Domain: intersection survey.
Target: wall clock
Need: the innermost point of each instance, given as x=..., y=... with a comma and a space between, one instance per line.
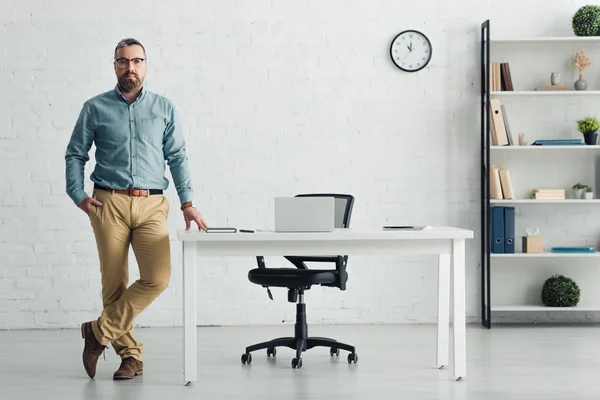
x=411, y=50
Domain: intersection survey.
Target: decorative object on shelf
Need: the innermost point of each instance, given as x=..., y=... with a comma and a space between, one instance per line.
x=555, y=78
x=589, y=193
x=578, y=190
x=548, y=194
x=582, y=249
x=560, y=291
x=522, y=140
x=556, y=88
x=532, y=242
x=411, y=50
x=581, y=62
x=586, y=21
x=589, y=127
x=558, y=142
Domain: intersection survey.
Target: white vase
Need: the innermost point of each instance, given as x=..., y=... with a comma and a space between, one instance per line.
x=589, y=195
x=578, y=193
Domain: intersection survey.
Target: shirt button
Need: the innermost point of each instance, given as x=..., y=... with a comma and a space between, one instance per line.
x=133, y=156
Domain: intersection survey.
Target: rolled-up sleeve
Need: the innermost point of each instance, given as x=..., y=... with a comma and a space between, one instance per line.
x=77, y=155
x=175, y=154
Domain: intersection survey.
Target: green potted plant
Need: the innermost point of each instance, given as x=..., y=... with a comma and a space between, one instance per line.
x=589, y=193
x=560, y=291
x=589, y=128
x=578, y=190
x=586, y=21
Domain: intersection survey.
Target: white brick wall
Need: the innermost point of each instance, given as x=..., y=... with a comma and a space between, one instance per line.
x=276, y=98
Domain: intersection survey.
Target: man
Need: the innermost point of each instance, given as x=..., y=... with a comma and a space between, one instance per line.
x=134, y=131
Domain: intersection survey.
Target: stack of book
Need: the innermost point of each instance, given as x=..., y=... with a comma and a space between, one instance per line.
x=548, y=194
x=500, y=78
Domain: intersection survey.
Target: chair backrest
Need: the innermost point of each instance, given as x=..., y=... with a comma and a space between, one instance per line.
x=343, y=206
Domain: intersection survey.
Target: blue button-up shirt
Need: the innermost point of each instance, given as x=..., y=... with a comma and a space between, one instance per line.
x=133, y=141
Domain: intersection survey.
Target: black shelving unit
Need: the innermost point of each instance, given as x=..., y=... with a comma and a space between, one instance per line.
x=486, y=312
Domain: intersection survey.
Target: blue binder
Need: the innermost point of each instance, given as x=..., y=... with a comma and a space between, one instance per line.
x=509, y=229
x=497, y=235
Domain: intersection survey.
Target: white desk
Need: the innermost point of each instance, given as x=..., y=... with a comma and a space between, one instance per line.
x=446, y=242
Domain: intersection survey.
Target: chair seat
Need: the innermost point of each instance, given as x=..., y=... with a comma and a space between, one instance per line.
x=291, y=277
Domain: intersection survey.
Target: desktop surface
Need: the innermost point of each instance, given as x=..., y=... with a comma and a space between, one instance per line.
x=441, y=232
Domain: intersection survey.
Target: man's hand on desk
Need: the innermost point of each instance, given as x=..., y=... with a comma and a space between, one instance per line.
x=191, y=214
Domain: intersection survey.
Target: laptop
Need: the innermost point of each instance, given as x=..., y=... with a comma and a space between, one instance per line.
x=304, y=214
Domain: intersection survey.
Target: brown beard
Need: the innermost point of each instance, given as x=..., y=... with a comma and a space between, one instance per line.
x=129, y=82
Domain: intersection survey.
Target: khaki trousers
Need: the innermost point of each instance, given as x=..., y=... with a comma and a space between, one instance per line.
x=122, y=221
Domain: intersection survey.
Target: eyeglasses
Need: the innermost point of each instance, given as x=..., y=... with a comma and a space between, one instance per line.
x=124, y=62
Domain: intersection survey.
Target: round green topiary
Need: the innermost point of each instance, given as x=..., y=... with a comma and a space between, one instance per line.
x=586, y=21
x=560, y=291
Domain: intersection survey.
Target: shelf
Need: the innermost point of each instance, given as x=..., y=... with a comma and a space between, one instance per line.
x=544, y=308
x=532, y=201
x=544, y=255
x=514, y=93
x=545, y=148
x=542, y=39
x=502, y=47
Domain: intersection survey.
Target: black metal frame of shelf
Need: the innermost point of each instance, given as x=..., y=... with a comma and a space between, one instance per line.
x=486, y=312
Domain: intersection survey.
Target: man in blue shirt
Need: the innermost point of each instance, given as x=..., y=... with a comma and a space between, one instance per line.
x=135, y=131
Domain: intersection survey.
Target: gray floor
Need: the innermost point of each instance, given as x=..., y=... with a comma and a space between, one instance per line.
x=395, y=362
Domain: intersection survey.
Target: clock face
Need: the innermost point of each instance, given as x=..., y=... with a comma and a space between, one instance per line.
x=411, y=50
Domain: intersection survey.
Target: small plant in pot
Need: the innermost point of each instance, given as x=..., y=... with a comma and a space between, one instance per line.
x=578, y=190
x=589, y=127
x=560, y=291
x=589, y=193
x=586, y=21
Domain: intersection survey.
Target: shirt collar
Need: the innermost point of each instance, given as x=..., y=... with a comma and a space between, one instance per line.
x=120, y=95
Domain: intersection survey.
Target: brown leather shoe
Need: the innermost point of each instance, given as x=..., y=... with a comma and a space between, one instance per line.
x=130, y=368
x=92, y=349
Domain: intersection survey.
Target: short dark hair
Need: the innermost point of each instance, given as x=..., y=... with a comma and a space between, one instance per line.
x=129, y=42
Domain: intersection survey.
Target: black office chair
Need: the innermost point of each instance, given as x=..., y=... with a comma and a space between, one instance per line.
x=299, y=279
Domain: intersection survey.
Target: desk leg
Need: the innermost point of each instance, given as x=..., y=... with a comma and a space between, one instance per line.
x=443, y=310
x=459, y=325
x=189, y=312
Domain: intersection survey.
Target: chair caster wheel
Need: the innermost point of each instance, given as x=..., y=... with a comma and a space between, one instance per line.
x=246, y=358
x=271, y=351
x=352, y=357
x=297, y=363
x=334, y=351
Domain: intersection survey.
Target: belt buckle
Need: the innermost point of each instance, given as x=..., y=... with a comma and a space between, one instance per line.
x=139, y=194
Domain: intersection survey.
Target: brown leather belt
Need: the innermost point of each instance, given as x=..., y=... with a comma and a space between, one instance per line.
x=130, y=192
